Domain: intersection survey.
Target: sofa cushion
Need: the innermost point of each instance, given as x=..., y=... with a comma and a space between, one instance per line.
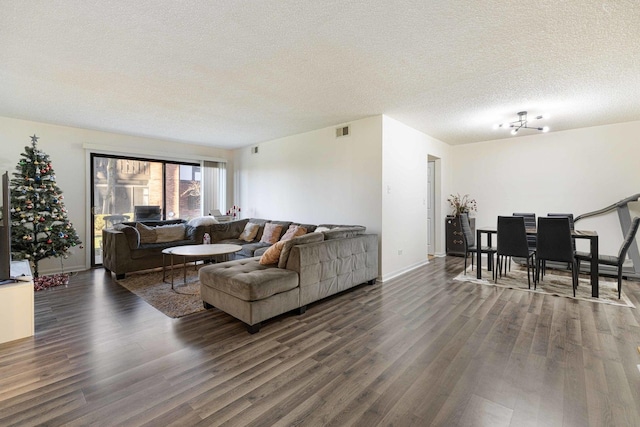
x=248, y=249
x=344, y=232
x=232, y=242
x=301, y=240
x=271, y=233
x=249, y=233
x=227, y=230
x=202, y=221
x=131, y=234
x=147, y=234
x=195, y=234
x=260, y=251
x=293, y=231
x=247, y=280
x=155, y=249
x=170, y=233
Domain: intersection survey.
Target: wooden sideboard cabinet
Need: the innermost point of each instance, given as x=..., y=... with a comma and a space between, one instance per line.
x=454, y=238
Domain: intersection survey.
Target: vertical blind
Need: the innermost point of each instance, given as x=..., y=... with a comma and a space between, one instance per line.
x=214, y=184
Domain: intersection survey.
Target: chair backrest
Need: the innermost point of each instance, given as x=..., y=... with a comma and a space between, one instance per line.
x=467, y=233
x=631, y=234
x=566, y=215
x=529, y=222
x=147, y=213
x=529, y=219
x=512, y=236
x=571, y=226
x=554, y=239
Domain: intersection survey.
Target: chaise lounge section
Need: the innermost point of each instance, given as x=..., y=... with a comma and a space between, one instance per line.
x=309, y=268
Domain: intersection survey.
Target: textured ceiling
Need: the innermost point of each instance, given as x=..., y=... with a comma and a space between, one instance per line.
x=231, y=73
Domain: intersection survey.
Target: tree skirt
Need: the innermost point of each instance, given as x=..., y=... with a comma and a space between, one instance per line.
x=46, y=282
x=182, y=301
x=556, y=283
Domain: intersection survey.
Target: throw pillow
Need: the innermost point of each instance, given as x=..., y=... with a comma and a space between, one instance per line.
x=293, y=231
x=170, y=233
x=271, y=233
x=147, y=234
x=272, y=255
x=202, y=220
x=301, y=240
x=249, y=233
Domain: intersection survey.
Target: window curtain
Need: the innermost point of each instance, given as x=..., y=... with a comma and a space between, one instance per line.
x=214, y=184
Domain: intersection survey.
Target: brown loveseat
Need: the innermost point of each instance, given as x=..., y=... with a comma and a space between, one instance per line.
x=125, y=251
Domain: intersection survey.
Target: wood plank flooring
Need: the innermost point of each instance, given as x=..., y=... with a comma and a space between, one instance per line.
x=418, y=350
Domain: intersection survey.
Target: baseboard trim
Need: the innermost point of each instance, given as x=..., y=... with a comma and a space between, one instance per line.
x=395, y=274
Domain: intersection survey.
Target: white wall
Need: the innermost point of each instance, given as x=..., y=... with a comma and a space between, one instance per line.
x=64, y=145
x=315, y=177
x=406, y=152
x=575, y=171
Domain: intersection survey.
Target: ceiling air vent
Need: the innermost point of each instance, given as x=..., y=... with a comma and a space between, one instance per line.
x=342, y=131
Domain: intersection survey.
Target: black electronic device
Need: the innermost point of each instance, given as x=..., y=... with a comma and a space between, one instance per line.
x=5, y=233
x=147, y=213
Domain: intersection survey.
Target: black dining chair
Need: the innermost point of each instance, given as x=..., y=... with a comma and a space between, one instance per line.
x=512, y=242
x=470, y=244
x=616, y=261
x=529, y=222
x=554, y=244
x=571, y=226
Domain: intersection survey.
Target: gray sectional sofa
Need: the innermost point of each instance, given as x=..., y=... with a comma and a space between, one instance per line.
x=309, y=268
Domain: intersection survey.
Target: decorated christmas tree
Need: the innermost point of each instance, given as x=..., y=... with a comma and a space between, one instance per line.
x=39, y=225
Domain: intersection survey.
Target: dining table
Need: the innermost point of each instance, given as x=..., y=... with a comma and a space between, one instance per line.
x=592, y=236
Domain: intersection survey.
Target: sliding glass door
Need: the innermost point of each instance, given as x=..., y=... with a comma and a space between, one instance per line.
x=129, y=189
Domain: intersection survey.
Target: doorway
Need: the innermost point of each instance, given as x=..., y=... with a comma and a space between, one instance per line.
x=431, y=202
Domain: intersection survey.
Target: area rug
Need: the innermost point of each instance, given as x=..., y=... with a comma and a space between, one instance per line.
x=556, y=283
x=182, y=301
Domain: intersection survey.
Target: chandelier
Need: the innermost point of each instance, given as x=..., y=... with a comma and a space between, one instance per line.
x=522, y=123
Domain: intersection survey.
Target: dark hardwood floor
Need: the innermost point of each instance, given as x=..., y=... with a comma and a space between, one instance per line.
x=418, y=350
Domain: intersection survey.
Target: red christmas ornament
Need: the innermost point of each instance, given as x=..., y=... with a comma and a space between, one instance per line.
x=49, y=241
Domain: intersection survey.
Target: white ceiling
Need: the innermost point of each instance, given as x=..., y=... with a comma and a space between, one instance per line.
x=235, y=73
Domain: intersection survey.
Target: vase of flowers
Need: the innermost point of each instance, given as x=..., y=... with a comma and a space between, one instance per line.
x=462, y=204
x=234, y=212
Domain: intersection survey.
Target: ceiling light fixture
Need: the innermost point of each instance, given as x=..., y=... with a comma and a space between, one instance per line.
x=522, y=123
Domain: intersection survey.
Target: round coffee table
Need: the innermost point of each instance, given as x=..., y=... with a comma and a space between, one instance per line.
x=195, y=253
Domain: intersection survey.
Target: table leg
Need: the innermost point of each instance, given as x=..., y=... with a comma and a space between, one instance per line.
x=489, y=257
x=595, y=292
x=172, y=272
x=479, y=254
x=184, y=270
x=164, y=268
